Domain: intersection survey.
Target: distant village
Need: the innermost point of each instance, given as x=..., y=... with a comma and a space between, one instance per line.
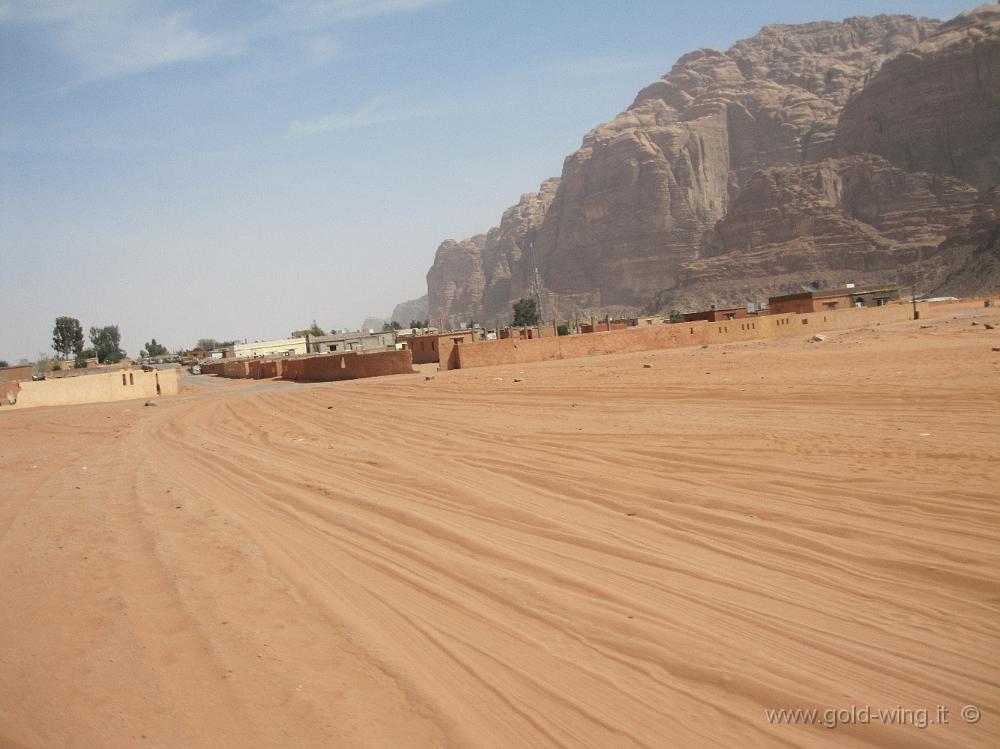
x=315, y=356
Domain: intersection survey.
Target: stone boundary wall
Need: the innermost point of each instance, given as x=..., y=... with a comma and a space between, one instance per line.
x=16, y=373
x=94, y=388
x=676, y=335
x=347, y=366
x=234, y=369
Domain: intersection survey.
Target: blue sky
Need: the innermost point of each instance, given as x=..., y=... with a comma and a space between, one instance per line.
x=237, y=169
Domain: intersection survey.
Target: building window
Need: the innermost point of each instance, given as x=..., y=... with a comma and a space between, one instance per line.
x=123, y=380
x=881, y=301
x=805, y=320
x=131, y=379
x=730, y=315
x=830, y=305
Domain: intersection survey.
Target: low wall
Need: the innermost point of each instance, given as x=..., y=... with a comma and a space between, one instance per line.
x=242, y=369
x=657, y=337
x=504, y=351
x=423, y=349
x=95, y=388
x=347, y=366
x=14, y=374
x=264, y=369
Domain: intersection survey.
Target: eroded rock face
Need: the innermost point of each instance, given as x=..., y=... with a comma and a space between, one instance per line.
x=508, y=261
x=935, y=108
x=854, y=219
x=414, y=309
x=456, y=281
x=478, y=279
x=719, y=181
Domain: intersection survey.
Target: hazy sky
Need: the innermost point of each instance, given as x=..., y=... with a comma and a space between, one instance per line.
x=235, y=169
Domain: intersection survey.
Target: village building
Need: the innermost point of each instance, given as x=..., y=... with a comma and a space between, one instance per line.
x=832, y=299
x=649, y=320
x=278, y=347
x=603, y=326
x=356, y=341
x=425, y=349
x=519, y=334
x=717, y=315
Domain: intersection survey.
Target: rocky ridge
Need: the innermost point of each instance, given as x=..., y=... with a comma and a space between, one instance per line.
x=859, y=150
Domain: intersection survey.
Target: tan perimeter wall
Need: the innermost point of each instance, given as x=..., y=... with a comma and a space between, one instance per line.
x=700, y=332
x=347, y=366
x=14, y=374
x=96, y=388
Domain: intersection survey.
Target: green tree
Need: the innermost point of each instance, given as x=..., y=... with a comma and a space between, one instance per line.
x=420, y=323
x=676, y=316
x=525, y=312
x=562, y=329
x=391, y=326
x=313, y=330
x=154, y=349
x=67, y=337
x=3, y=363
x=43, y=365
x=107, y=344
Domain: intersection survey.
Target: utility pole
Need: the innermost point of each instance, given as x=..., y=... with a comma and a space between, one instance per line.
x=538, y=302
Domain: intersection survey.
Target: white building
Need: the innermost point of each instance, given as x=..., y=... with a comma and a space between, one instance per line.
x=279, y=347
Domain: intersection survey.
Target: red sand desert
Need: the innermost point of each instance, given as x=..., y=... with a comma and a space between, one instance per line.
x=599, y=555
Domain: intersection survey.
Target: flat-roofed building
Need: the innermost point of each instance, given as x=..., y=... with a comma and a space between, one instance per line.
x=717, y=315
x=426, y=348
x=277, y=347
x=356, y=341
x=831, y=299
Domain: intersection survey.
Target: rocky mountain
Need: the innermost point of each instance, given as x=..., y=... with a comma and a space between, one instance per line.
x=860, y=150
x=415, y=309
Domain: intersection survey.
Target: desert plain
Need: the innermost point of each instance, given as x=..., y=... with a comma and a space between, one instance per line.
x=584, y=553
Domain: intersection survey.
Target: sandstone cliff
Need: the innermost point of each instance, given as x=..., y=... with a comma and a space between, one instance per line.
x=934, y=108
x=744, y=173
x=414, y=309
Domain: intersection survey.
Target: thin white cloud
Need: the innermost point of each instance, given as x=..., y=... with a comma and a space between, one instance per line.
x=113, y=38
x=119, y=37
x=377, y=111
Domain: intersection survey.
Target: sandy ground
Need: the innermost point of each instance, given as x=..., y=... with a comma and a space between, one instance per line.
x=601, y=555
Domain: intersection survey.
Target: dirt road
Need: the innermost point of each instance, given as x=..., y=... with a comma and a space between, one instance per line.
x=602, y=554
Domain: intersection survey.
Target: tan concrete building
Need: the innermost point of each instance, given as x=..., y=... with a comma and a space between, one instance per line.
x=356, y=341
